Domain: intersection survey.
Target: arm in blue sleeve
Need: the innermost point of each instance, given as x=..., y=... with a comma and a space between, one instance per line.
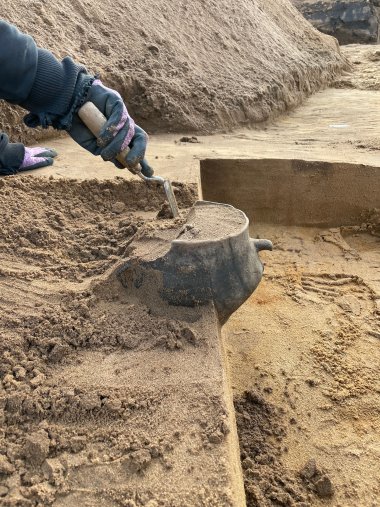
x=34, y=79
x=11, y=156
x=18, y=63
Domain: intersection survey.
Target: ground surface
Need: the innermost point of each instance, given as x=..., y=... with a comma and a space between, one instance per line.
x=194, y=66
x=330, y=126
x=304, y=350
x=325, y=364
x=320, y=296
x=304, y=354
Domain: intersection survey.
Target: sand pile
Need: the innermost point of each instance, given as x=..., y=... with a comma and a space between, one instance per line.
x=198, y=66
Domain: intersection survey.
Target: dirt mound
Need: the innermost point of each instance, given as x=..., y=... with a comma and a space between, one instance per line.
x=198, y=66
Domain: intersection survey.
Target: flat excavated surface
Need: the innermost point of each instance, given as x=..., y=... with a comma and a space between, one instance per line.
x=305, y=354
x=210, y=221
x=330, y=126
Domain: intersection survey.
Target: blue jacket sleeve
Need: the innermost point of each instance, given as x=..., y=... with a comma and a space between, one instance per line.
x=18, y=63
x=11, y=156
x=34, y=79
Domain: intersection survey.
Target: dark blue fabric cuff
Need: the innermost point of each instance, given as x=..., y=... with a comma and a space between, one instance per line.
x=57, y=90
x=62, y=122
x=54, y=84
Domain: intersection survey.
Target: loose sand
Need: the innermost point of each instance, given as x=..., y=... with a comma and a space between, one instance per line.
x=103, y=400
x=307, y=404
x=304, y=357
x=330, y=126
x=363, y=73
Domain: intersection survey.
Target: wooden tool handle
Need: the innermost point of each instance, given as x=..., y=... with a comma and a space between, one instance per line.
x=95, y=120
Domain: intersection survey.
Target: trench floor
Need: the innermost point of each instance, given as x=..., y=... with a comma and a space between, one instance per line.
x=308, y=343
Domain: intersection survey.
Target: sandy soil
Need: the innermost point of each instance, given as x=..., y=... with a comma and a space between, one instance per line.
x=329, y=126
x=95, y=407
x=364, y=69
x=305, y=354
x=198, y=66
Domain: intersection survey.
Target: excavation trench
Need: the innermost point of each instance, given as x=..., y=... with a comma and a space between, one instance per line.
x=303, y=350
x=111, y=394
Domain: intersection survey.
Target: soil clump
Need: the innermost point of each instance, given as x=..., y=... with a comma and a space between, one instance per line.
x=262, y=427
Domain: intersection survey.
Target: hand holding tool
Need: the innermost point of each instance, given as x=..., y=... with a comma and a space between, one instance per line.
x=94, y=120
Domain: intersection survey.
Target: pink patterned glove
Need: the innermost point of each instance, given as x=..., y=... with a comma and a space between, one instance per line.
x=37, y=157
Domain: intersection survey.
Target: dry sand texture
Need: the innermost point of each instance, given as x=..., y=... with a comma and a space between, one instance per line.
x=363, y=72
x=310, y=398
x=330, y=126
x=305, y=348
x=305, y=367
x=103, y=401
x=185, y=66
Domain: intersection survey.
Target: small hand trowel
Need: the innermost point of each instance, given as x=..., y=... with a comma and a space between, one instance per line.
x=94, y=120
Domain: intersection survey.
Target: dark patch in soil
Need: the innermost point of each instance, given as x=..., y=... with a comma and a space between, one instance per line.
x=262, y=428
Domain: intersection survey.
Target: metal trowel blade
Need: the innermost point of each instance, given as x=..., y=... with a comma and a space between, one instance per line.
x=171, y=198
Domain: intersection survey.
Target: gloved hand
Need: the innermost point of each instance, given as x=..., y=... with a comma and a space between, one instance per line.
x=117, y=134
x=35, y=158
x=15, y=157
